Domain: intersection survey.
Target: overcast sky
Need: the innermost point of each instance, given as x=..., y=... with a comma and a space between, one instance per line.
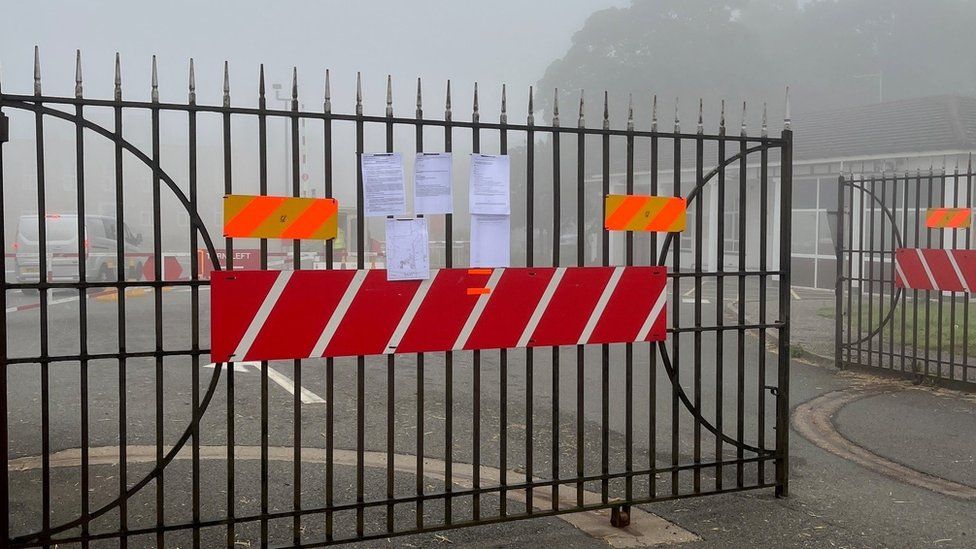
x=508, y=41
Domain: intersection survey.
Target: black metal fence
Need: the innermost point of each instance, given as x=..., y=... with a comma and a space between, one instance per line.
x=134, y=441
x=918, y=333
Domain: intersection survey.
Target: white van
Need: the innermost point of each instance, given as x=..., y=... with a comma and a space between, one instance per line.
x=99, y=244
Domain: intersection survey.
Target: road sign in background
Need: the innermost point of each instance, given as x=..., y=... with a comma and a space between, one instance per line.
x=270, y=315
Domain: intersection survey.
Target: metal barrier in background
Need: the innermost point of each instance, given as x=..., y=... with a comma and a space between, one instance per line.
x=161, y=450
x=886, y=317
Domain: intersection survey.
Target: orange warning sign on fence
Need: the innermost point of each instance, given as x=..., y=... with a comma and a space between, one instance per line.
x=248, y=216
x=625, y=212
x=948, y=218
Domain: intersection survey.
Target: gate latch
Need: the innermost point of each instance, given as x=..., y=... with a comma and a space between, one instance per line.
x=773, y=390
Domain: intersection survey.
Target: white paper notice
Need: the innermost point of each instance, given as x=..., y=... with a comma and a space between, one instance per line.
x=488, y=190
x=432, y=184
x=383, y=190
x=407, y=251
x=490, y=240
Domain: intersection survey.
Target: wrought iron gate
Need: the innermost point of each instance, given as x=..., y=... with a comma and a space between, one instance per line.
x=917, y=333
x=113, y=429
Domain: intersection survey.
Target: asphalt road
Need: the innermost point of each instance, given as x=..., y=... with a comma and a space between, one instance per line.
x=833, y=502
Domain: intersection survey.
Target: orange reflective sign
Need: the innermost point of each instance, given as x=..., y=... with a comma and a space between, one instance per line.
x=248, y=216
x=625, y=212
x=948, y=218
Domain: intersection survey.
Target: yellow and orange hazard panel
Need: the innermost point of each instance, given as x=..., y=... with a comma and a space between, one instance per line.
x=626, y=212
x=248, y=216
x=948, y=218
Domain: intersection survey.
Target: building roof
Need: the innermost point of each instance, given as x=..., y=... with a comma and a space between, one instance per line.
x=924, y=124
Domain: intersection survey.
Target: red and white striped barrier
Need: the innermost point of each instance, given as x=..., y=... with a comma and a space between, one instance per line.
x=929, y=269
x=271, y=315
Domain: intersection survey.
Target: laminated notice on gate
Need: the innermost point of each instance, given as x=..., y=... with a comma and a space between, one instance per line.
x=432, y=184
x=488, y=190
x=407, y=250
x=383, y=189
x=276, y=315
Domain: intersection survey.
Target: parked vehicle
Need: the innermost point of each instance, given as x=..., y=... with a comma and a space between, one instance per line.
x=100, y=248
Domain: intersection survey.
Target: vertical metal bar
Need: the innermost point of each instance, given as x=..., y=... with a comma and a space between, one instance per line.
x=939, y=305
x=839, y=285
x=329, y=362
x=297, y=364
x=4, y=432
x=893, y=222
x=390, y=359
x=699, y=176
x=120, y=292
x=360, y=360
x=860, y=268
x=82, y=303
x=194, y=307
x=529, y=262
x=763, y=297
x=783, y=374
x=580, y=261
x=157, y=303
x=604, y=348
x=928, y=293
x=740, y=356
x=915, y=244
x=229, y=251
x=629, y=347
x=652, y=348
x=43, y=279
x=476, y=360
x=904, y=301
x=676, y=317
x=850, y=275
x=954, y=296
x=555, y=263
x=871, y=209
x=966, y=303
x=720, y=299
x=503, y=359
x=263, y=190
x=881, y=275
x=449, y=356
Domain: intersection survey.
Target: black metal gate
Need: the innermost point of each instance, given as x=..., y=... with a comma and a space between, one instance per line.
x=114, y=428
x=923, y=334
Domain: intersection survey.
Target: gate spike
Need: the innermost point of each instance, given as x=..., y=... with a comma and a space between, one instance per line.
x=261, y=81
x=447, y=102
x=787, y=121
x=654, y=114
x=503, y=117
x=118, y=77
x=226, y=84
x=531, y=118
x=701, y=125
x=155, y=82
x=721, y=118
x=580, y=123
x=78, y=88
x=969, y=165
x=37, y=71
x=765, y=127
x=677, y=122
x=606, y=110
x=294, y=85
x=742, y=129
x=389, y=96
x=359, y=94
x=193, y=84
x=420, y=108
x=475, y=115
x=555, y=107
x=328, y=92
x=630, y=112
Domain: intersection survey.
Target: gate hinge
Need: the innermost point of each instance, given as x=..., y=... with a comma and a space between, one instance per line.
x=4, y=128
x=773, y=390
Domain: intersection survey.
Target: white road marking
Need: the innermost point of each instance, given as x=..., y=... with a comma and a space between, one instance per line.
x=307, y=397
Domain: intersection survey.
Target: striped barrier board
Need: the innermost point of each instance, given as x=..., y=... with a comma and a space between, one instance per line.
x=623, y=212
x=948, y=218
x=932, y=269
x=249, y=216
x=272, y=315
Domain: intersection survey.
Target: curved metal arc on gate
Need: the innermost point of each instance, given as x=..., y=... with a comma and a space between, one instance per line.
x=195, y=221
x=900, y=293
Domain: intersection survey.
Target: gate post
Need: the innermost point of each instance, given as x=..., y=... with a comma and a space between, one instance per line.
x=839, y=286
x=783, y=371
